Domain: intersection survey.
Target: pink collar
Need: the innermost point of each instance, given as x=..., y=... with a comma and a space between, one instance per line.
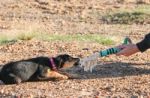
x=53, y=64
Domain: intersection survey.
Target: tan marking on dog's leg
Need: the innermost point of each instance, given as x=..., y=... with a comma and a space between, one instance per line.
x=70, y=75
x=56, y=75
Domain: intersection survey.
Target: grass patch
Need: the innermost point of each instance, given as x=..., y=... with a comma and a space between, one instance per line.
x=5, y=40
x=142, y=8
x=139, y=15
x=80, y=38
x=127, y=18
x=94, y=38
x=21, y=36
x=27, y=36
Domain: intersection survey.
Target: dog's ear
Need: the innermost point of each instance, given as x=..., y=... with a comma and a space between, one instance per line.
x=59, y=61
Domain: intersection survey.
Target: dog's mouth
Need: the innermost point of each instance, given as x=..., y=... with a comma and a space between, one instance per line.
x=72, y=62
x=77, y=62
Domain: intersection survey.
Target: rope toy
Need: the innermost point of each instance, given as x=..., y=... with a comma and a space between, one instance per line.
x=88, y=63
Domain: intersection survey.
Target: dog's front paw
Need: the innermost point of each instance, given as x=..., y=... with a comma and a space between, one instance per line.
x=62, y=78
x=65, y=77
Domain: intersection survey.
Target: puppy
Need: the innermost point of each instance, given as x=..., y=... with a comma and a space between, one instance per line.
x=37, y=69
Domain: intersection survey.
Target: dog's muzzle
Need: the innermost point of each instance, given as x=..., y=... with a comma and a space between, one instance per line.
x=77, y=62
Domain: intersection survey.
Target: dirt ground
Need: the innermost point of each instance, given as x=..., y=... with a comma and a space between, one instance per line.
x=114, y=77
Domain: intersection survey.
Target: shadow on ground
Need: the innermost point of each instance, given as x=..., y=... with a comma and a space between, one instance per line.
x=115, y=69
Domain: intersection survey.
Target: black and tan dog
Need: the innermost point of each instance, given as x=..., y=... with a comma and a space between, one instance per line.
x=37, y=69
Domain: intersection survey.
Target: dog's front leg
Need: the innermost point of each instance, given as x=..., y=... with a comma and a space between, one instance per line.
x=70, y=75
x=56, y=75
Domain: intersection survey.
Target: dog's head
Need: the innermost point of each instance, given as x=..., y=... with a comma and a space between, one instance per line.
x=66, y=61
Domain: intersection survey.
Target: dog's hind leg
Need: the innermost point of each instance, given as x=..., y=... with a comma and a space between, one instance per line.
x=12, y=79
